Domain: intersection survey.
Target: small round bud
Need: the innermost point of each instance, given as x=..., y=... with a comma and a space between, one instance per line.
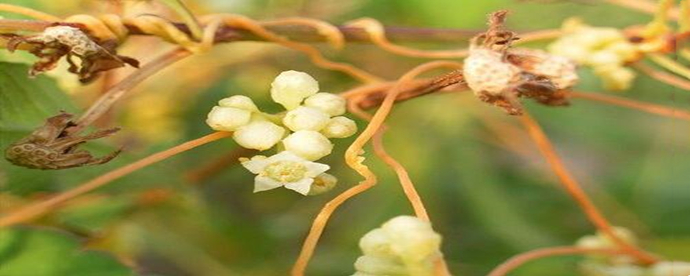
x=339, y=127
x=291, y=87
x=305, y=118
x=323, y=183
x=374, y=265
x=412, y=239
x=227, y=118
x=670, y=268
x=239, y=101
x=332, y=104
x=259, y=135
x=308, y=144
x=376, y=243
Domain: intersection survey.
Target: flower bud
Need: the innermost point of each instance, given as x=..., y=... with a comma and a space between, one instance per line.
x=259, y=135
x=308, y=144
x=670, y=268
x=239, y=101
x=305, y=118
x=291, y=87
x=413, y=239
x=376, y=243
x=323, y=183
x=332, y=104
x=339, y=127
x=376, y=265
x=227, y=118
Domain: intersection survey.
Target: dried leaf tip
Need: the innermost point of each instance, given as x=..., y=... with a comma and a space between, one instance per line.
x=52, y=147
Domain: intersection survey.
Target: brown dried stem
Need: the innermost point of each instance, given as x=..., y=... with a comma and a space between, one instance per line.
x=37, y=209
x=574, y=189
x=109, y=98
x=517, y=261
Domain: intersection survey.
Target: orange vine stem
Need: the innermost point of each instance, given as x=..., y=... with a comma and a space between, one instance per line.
x=519, y=260
x=34, y=210
x=637, y=105
x=354, y=160
x=573, y=188
x=662, y=76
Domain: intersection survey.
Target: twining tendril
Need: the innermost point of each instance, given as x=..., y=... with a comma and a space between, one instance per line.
x=354, y=160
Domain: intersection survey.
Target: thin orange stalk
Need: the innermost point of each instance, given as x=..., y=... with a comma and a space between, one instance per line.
x=664, y=77
x=34, y=210
x=110, y=97
x=519, y=260
x=574, y=189
x=642, y=106
x=28, y=12
x=354, y=160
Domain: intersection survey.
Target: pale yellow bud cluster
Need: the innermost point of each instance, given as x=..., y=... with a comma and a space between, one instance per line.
x=302, y=132
x=404, y=245
x=605, y=50
x=623, y=265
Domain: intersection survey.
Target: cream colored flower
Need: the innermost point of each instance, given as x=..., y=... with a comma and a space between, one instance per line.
x=239, y=101
x=259, y=135
x=339, y=127
x=227, y=118
x=670, y=268
x=308, y=144
x=404, y=245
x=284, y=169
x=332, y=104
x=305, y=118
x=606, y=50
x=290, y=88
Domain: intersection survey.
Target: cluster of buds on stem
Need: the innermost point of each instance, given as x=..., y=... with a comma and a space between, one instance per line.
x=58, y=41
x=623, y=265
x=302, y=133
x=606, y=50
x=500, y=75
x=404, y=245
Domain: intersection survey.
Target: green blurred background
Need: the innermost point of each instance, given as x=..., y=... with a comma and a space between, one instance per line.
x=488, y=191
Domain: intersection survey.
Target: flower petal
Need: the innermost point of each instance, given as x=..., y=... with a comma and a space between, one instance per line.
x=257, y=164
x=303, y=186
x=262, y=183
x=285, y=156
x=314, y=169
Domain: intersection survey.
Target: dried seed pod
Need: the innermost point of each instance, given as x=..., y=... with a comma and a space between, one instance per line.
x=561, y=71
x=485, y=71
x=58, y=41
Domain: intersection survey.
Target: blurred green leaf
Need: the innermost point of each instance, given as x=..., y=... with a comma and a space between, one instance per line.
x=26, y=103
x=40, y=252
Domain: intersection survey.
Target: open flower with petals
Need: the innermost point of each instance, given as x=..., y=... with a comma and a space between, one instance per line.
x=284, y=169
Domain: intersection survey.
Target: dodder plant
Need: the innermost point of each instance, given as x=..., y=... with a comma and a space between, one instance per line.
x=494, y=69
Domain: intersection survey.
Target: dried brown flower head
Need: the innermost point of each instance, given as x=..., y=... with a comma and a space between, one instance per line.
x=58, y=41
x=52, y=147
x=499, y=75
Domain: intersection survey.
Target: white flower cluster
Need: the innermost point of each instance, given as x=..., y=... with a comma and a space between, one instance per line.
x=302, y=132
x=78, y=42
x=404, y=245
x=605, y=50
x=623, y=265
